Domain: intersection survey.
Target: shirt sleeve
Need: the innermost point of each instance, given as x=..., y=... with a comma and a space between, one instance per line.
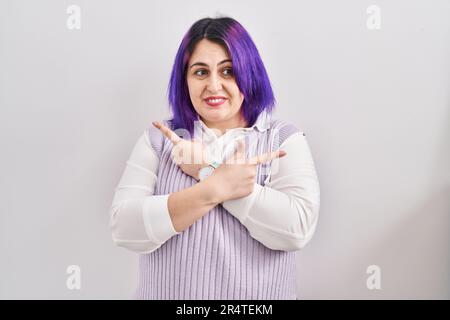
x=139, y=220
x=283, y=213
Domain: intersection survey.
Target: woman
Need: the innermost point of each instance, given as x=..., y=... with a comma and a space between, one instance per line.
x=210, y=201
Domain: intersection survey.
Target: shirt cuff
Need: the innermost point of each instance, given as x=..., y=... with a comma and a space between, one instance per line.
x=240, y=208
x=158, y=223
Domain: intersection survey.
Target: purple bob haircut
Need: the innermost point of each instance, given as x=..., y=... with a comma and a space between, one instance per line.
x=248, y=69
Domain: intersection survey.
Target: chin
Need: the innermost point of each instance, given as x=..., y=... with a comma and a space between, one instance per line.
x=214, y=118
x=215, y=113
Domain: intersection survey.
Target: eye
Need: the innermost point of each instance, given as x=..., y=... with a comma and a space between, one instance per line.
x=198, y=72
x=229, y=71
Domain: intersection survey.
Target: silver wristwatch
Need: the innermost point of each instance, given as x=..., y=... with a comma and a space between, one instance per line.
x=205, y=172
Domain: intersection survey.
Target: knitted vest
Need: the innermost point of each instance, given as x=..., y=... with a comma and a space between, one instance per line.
x=216, y=258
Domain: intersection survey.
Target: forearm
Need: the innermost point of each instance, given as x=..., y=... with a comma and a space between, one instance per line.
x=278, y=220
x=189, y=205
x=283, y=213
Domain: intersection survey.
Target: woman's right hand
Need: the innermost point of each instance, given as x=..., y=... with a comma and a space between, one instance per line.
x=236, y=177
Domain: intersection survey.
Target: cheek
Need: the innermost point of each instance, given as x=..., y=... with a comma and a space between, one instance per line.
x=238, y=97
x=194, y=90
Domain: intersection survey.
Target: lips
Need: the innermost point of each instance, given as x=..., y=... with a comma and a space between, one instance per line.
x=215, y=101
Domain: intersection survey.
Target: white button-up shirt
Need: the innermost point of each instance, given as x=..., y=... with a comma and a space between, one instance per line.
x=140, y=221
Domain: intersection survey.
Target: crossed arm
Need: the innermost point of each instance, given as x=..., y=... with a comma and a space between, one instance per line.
x=282, y=214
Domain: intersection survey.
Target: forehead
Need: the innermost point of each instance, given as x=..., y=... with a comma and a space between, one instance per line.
x=208, y=52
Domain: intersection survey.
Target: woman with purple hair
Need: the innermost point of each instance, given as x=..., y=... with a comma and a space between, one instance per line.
x=217, y=199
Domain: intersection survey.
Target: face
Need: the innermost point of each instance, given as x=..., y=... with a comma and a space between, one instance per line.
x=210, y=74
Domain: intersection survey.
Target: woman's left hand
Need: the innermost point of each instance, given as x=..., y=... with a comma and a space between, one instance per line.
x=190, y=155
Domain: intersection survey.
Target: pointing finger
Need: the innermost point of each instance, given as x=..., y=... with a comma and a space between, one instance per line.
x=240, y=149
x=239, y=152
x=266, y=157
x=172, y=136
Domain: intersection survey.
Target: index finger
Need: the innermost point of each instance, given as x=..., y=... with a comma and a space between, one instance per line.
x=266, y=157
x=172, y=136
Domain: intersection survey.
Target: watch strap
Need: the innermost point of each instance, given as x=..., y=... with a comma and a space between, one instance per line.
x=214, y=164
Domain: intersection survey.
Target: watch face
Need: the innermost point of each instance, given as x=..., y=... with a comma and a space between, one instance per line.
x=205, y=172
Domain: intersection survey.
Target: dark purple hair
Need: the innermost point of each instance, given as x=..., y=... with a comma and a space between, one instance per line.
x=248, y=69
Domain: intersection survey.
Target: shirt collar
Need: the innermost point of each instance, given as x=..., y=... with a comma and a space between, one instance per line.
x=263, y=121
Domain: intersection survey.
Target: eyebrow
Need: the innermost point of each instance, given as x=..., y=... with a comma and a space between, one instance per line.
x=204, y=64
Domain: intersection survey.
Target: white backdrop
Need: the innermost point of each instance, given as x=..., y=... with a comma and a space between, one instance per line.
x=368, y=85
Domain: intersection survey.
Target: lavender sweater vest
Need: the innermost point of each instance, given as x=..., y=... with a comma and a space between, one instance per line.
x=216, y=258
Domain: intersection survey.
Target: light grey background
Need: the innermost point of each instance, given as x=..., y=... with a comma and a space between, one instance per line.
x=374, y=105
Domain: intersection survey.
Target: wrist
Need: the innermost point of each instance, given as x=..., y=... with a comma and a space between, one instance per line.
x=211, y=194
x=207, y=170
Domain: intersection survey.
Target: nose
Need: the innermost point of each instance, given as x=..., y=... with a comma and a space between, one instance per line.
x=214, y=83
